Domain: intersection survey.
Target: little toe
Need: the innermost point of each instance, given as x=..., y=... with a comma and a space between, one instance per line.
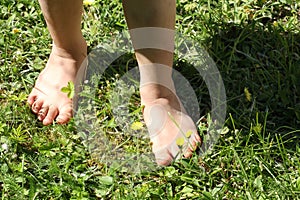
x=51, y=114
x=37, y=105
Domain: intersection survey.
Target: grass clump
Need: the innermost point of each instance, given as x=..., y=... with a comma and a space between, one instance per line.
x=255, y=45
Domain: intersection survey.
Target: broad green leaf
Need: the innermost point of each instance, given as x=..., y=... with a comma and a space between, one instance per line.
x=65, y=89
x=106, y=180
x=69, y=90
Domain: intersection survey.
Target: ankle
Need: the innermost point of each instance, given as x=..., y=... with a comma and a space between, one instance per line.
x=76, y=51
x=152, y=92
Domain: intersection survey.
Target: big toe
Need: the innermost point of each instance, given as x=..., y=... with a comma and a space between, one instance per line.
x=182, y=146
x=163, y=157
x=166, y=155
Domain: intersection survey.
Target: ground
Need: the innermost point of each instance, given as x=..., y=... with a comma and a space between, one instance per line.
x=256, y=47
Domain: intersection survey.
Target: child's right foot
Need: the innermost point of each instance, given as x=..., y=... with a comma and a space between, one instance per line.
x=46, y=99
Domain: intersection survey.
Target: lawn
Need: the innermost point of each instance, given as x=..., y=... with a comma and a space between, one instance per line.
x=256, y=47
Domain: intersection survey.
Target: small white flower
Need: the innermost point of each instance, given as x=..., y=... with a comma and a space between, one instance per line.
x=4, y=147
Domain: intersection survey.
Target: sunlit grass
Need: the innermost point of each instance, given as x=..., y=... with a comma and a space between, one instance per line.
x=256, y=45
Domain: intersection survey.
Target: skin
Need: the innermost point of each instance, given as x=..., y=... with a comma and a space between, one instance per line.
x=69, y=49
x=161, y=104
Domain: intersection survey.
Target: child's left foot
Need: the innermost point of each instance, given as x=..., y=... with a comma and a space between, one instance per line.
x=172, y=131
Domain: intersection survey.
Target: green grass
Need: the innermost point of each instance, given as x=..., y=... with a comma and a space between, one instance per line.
x=255, y=44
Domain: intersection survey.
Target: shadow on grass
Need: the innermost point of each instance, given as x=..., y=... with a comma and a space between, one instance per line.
x=266, y=60
x=259, y=63
x=260, y=66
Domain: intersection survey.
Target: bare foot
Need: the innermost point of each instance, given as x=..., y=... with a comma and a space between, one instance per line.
x=172, y=132
x=46, y=98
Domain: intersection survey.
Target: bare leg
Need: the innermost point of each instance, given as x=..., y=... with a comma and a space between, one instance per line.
x=69, y=50
x=162, y=106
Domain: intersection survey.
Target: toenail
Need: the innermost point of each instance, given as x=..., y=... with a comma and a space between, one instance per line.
x=41, y=114
x=42, y=111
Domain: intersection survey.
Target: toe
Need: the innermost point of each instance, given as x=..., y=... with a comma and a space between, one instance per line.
x=194, y=142
x=51, y=114
x=31, y=99
x=163, y=157
x=43, y=113
x=163, y=161
x=37, y=105
x=65, y=114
